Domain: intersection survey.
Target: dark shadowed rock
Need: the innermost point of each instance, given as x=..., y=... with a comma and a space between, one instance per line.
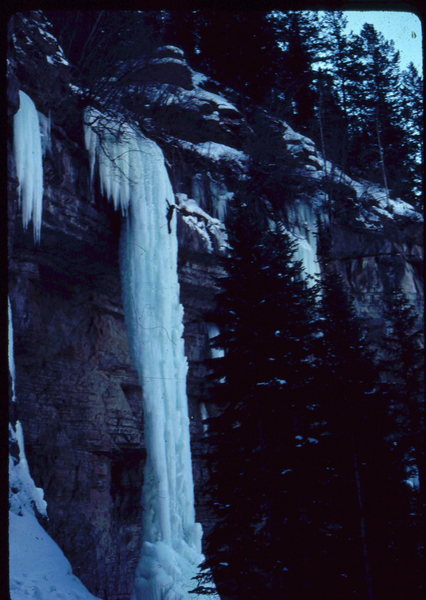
x=167, y=66
x=169, y=52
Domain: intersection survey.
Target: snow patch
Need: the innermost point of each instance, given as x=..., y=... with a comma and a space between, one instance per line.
x=198, y=78
x=166, y=95
x=38, y=567
x=217, y=152
x=24, y=494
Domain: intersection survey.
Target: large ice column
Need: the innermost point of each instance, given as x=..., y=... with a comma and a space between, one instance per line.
x=133, y=176
x=29, y=162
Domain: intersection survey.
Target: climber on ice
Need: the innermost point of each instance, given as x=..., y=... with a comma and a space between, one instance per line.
x=170, y=210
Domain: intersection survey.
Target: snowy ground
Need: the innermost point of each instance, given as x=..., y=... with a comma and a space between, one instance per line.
x=38, y=567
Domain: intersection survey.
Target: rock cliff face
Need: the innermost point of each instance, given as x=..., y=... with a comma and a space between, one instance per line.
x=78, y=396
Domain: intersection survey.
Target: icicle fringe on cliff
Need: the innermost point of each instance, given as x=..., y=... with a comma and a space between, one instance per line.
x=133, y=176
x=29, y=162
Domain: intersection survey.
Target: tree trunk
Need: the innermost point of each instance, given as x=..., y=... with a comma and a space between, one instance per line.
x=362, y=526
x=382, y=158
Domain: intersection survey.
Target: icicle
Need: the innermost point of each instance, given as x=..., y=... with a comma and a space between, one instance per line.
x=45, y=133
x=29, y=164
x=133, y=175
x=302, y=228
x=11, y=356
x=21, y=480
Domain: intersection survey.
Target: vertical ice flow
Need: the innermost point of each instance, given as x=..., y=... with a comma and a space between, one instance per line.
x=133, y=175
x=19, y=474
x=29, y=162
x=10, y=352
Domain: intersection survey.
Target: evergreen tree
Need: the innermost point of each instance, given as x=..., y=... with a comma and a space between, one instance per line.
x=334, y=52
x=266, y=319
x=296, y=34
x=411, y=118
x=368, y=448
x=104, y=46
x=237, y=49
x=182, y=28
x=376, y=135
x=352, y=410
x=403, y=373
x=403, y=368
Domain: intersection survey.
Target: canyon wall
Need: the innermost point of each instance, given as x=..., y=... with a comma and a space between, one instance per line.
x=78, y=395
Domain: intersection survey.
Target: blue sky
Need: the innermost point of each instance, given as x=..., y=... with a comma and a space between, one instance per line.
x=402, y=27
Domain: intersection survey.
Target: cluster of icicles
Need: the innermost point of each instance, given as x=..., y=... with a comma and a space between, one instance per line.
x=133, y=176
x=28, y=152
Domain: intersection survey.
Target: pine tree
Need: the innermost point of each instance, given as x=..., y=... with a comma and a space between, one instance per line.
x=403, y=368
x=376, y=136
x=334, y=52
x=403, y=374
x=237, y=48
x=350, y=407
x=370, y=440
x=296, y=33
x=411, y=118
x=266, y=319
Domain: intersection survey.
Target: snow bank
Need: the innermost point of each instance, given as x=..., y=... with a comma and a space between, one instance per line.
x=29, y=162
x=38, y=567
x=25, y=493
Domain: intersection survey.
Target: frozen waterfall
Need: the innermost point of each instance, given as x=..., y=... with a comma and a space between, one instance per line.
x=133, y=175
x=29, y=162
x=302, y=226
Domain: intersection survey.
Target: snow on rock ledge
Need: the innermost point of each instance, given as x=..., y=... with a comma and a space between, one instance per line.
x=370, y=202
x=212, y=231
x=217, y=152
